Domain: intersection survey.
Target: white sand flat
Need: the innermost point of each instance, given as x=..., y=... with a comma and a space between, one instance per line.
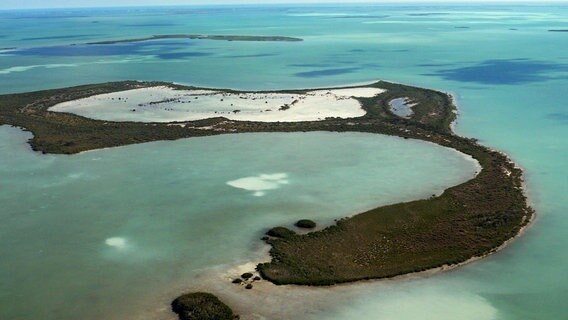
x=164, y=104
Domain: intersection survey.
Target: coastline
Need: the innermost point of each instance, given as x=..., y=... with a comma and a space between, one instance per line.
x=249, y=310
x=435, y=115
x=246, y=304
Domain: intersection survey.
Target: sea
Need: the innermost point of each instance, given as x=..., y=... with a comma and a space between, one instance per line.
x=118, y=233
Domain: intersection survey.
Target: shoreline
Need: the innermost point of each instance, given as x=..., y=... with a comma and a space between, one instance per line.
x=466, y=223
x=245, y=303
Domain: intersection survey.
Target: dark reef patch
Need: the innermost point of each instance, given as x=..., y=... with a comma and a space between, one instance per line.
x=145, y=48
x=78, y=36
x=310, y=65
x=370, y=65
x=182, y=55
x=429, y=14
x=325, y=72
x=362, y=16
x=257, y=55
x=504, y=72
x=435, y=65
x=561, y=117
x=151, y=24
x=43, y=16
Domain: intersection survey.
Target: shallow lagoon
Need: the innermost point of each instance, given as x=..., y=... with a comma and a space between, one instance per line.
x=94, y=234
x=508, y=74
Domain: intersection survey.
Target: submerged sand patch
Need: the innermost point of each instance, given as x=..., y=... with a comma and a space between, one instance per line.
x=261, y=183
x=116, y=242
x=166, y=104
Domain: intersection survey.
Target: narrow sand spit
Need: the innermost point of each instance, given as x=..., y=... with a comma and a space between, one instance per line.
x=165, y=104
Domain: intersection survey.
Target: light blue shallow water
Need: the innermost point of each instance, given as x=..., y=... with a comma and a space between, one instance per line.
x=507, y=72
x=102, y=234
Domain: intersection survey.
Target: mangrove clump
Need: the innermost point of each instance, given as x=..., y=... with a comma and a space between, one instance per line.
x=305, y=224
x=280, y=232
x=201, y=306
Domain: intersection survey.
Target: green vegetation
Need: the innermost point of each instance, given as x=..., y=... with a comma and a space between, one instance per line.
x=65, y=133
x=201, y=37
x=280, y=232
x=468, y=220
x=246, y=275
x=201, y=306
x=305, y=223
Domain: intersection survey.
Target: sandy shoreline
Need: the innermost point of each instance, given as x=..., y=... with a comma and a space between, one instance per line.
x=259, y=302
x=269, y=301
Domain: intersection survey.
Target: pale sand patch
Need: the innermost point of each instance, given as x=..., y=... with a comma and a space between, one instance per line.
x=261, y=183
x=116, y=242
x=27, y=68
x=165, y=104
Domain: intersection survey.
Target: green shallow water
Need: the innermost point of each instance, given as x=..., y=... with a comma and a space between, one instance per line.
x=101, y=234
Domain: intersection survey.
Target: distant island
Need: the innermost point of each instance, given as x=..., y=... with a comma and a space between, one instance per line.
x=200, y=37
x=467, y=222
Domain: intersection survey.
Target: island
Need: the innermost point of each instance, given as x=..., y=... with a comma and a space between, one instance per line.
x=201, y=37
x=466, y=222
x=201, y=306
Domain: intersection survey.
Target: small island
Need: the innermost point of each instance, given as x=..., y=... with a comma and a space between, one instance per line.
x=305, y=224
x=466, y=222
x=200, y=37
x=201, y=306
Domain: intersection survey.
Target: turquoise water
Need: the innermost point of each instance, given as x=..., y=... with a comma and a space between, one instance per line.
x=93, y=235
x=508, y=74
